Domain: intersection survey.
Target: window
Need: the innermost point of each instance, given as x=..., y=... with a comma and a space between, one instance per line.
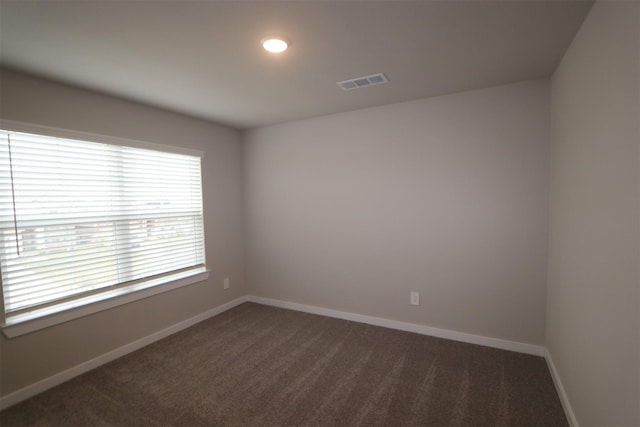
x=82, y=221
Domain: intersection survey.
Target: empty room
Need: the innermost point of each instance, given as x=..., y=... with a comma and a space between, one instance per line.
x=320, y=213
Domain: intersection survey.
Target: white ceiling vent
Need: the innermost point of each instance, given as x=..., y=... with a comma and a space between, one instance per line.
x=371, y=80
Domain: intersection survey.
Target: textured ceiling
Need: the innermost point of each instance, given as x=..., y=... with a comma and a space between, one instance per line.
x=203, y=58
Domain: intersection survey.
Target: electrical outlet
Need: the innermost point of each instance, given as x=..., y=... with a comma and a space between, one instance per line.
x=415, y=298
x=226, y=283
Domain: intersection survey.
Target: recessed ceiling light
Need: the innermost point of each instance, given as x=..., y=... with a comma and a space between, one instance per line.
x=274, y=44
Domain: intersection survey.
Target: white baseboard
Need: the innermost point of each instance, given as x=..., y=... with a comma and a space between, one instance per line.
x=564, y=399
x=405, y=326
x=47, y=383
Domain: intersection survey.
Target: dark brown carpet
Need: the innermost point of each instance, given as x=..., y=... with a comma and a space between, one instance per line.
x=262, y=366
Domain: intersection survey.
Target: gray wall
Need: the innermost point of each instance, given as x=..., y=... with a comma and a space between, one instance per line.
x=593, y=306
x=447, y=196
x=33, y=357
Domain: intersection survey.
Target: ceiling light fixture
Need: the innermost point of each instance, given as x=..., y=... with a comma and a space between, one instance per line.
x=274, y=44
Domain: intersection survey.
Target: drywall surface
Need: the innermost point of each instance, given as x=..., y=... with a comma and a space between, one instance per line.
x=593, y=310
x=445, y=196
x=36, y=356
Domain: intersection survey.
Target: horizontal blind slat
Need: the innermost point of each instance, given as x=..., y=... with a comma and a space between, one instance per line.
x=59, y=220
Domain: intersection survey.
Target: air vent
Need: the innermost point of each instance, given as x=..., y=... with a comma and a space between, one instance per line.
x=372, y=80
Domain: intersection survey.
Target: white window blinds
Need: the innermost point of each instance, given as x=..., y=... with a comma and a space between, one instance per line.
x=81, y=217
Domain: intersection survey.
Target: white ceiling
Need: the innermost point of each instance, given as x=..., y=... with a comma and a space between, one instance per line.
x=203, y=58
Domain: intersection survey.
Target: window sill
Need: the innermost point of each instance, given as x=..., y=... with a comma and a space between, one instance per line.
x=40, y=319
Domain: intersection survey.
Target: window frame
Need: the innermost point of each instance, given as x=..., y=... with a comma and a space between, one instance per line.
x=83, y=306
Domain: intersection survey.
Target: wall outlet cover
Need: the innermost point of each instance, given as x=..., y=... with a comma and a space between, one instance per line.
x=415, y=298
